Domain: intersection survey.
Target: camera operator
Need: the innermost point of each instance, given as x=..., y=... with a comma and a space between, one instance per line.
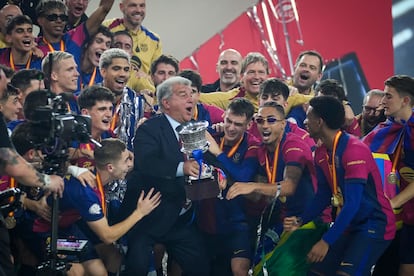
x=14, y=165
x=83, y=210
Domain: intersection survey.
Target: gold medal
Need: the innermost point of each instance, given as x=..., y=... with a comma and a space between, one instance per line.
x=334, y=201
x=10, y=222
x=392, y=178
x=337, y=200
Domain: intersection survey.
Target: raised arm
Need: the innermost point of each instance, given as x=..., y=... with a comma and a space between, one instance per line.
x=98, y=16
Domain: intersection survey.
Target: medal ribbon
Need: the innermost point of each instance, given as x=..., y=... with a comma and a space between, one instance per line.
x=332, y=167
x=195, y=116
x=91, y=81
x=397, y=156
x=101, y=192
x=233, y=149
x=115, y=116
x=51, y=49
x=13, y=66
x=12, y=185
x=271, y=175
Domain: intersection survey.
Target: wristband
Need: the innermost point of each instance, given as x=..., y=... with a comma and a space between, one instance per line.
x=46, y=181
x=279, y=189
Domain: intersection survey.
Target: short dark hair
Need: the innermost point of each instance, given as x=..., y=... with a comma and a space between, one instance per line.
x=167, y=59
x=34, y=100
x=403, y=84
x=241, y=107
x=22, y=138
x=23, y=78
x=110, y=152
x=332, y=87
x=311, y=53
x=274, y=86
x=276, y=106
x=47, y=5
x=92, y=94
x=9, y=72
x=193, y=76
x=101, y=30
x=9, y=91
x=123, y=32
x=330, y=110
x=17, y=21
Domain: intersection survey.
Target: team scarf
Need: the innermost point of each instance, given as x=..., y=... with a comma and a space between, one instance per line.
x=385, y=137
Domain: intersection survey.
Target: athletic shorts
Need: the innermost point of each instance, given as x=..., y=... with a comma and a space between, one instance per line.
x=234, y=245
x=353, y=253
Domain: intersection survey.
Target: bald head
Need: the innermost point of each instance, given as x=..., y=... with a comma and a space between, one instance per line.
x=229, y=68
x=6, y=14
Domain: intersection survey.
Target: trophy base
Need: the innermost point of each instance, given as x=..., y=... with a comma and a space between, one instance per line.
x=204, y=188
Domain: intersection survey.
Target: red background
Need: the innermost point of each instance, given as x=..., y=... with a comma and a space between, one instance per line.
x=333, y=28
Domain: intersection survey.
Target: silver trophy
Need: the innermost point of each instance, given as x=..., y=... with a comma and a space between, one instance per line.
x=194, y=144
x=193, y=137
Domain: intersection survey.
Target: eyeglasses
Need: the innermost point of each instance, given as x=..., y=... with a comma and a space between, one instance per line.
x=55, y=17
x=369, y=109
x=269, y=120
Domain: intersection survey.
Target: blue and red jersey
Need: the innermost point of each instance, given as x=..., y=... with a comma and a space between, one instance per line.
x=225, y=216
x=33, y=62
x=71, y=42
x=293, y=151
x=354, y=165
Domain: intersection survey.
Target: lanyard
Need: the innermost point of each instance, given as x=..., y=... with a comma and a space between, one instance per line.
x=114, y=120
x=195, y=116
x=92, y=80
x=233, y=149
x=12, y=185
x=332, y=167
x=271, y=175
x=101, y=192
x=51, y=49
x=397, y=156
x=13, y=66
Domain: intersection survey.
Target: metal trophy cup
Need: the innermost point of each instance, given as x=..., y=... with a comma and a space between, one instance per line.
x=194, y=144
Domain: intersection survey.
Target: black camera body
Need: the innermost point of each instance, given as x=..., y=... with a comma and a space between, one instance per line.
x=54, y=129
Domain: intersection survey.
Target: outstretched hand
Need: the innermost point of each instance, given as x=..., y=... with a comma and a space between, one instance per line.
x=239, y=188
x=146, y=204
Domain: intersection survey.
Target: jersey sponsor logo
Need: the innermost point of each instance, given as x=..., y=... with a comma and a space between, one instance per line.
x=293, y=149
x=356, y=162
x=95, y=209
x=143, y=47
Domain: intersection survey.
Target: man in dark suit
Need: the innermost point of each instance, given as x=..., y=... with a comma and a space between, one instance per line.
x=159, y=163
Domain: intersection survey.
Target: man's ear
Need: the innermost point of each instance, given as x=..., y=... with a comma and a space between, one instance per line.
x=109, y=167
x=166, y=104
x=249, y=124
x=84, y=111
x=407, y=101
x=8, y=38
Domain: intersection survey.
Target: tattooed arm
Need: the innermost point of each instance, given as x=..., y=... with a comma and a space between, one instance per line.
x=11, y=163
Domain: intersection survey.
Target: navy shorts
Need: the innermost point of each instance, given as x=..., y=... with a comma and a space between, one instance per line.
x=234, y=245
x=353, y=253
x=407, y=244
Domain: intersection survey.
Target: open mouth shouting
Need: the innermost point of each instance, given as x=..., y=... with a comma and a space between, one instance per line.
x=27, y=43
x=266, y=135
